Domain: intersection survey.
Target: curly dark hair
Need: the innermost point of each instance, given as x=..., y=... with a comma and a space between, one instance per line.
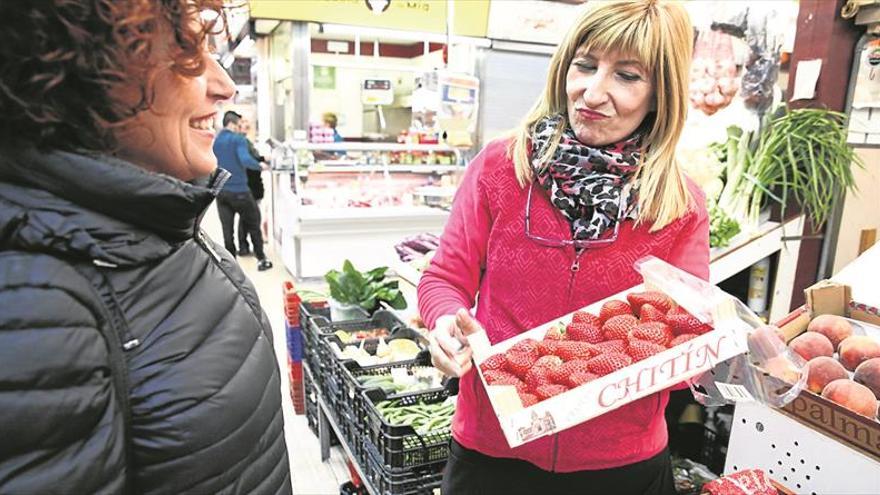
x=60, y=60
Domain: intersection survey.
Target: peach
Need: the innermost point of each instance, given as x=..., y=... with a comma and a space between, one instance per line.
x=857, y=349
x=823, y=370
x=811, y=345
x=836, y=328
x=851, y=395
x=781, y=367
x=868, y=374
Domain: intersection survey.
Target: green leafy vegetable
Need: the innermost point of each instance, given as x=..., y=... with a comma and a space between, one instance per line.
x=366, y=290
x=722, y=227
x=799, y=154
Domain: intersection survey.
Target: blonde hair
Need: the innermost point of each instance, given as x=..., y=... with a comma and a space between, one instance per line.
x=659, y=34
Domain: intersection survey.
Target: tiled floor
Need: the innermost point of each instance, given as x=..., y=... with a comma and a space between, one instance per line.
x=310, y=475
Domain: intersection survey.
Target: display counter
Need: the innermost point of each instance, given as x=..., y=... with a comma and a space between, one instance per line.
x=337, y=201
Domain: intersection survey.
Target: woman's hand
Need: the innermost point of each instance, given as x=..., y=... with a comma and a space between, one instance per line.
x=450, y=352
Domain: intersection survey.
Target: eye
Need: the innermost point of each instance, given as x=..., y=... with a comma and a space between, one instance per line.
x=629, y=76
x=585, y=66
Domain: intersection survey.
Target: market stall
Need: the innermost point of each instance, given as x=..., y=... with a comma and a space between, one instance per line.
x=373, y=196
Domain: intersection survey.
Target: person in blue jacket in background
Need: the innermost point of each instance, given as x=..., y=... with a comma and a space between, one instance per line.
x=233, y=155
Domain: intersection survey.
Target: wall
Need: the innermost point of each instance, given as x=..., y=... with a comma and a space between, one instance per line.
x=345, y=99
x=861, y=209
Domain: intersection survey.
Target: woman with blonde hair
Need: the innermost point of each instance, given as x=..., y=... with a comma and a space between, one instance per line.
x=551, y=220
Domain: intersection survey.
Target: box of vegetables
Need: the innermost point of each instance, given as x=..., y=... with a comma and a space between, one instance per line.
x=408, y=431
x=395, y=379
x=401, y=345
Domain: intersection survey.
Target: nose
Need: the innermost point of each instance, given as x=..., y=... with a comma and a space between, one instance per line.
x=596, y=89
x=220, y=85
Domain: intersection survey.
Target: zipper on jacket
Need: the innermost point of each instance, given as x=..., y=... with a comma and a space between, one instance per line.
x=200, y=238
x=573, y=270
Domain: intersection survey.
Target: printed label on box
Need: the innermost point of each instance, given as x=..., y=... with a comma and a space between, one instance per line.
x=736, y=393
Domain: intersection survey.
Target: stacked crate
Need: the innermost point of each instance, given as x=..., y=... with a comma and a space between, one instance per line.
x=293, y=332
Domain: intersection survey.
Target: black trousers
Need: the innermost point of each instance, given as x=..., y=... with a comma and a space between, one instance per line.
x=469, y=472
x=231, y=203
x=243, y=231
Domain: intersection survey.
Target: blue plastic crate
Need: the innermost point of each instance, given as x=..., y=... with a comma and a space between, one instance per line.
x=294, y=342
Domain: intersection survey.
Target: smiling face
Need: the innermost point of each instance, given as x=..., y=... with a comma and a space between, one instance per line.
x=175, y=135
x=608, y=94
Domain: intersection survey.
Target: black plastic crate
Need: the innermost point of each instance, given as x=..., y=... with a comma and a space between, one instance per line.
x=320, y=328
x=312, y=314
x=310, y=396
x=401, y=447
x=410, y=482
x=332, y=365
x=312, y=409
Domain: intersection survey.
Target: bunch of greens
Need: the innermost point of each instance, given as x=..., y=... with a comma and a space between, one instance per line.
x=799, y=154
x=366, y=290
x=722, y=227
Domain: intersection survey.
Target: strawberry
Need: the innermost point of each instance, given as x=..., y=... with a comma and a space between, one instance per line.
x=528, y=346
x=519, y=363
x=495, y=362
x=585, y=332
x=528, y=399
x=618, y=345
x=640, y=349
x=614, y=308
x=544, y=392
x=657, y=299
x=580, y=378
x=547, y=347
x=494, y=376
x=548, y=362
x=555, y=333
x=682, y=339
x=618, y=327
x=655, y=331
x=560, y=374
x=584, y=317
x=537, y=377
x=683, y=322
x=570, y=350
x=610, y=362
x=649, y=313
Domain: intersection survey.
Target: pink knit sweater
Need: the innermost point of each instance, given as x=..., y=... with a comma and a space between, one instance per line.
x=521, y=284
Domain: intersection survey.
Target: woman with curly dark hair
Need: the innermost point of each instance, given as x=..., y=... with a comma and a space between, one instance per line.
x=134, y=355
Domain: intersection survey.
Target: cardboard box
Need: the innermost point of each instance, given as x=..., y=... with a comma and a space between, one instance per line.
x=605, y=394
x=853, y=430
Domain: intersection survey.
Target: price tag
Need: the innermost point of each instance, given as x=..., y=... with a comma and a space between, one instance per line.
x=735, y=393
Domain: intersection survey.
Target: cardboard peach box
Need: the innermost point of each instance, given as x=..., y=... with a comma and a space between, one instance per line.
x=607, y=393
x=847, y=427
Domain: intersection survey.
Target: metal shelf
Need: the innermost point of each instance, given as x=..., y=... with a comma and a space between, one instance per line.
x=325, y=421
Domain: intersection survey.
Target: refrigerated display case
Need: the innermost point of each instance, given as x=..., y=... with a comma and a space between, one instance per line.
x=347, y=200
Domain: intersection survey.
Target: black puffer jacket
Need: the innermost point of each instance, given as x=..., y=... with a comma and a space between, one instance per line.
x=134, y=356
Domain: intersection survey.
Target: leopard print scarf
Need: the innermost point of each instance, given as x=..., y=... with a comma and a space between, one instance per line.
x=586, y=183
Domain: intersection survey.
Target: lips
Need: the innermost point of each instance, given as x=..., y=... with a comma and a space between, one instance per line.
x=590, y=114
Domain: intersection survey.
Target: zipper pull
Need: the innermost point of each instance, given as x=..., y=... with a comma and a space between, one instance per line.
x=576, y=265
x=201, y=239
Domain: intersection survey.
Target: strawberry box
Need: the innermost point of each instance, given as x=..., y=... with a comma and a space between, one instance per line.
x=606, y=355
